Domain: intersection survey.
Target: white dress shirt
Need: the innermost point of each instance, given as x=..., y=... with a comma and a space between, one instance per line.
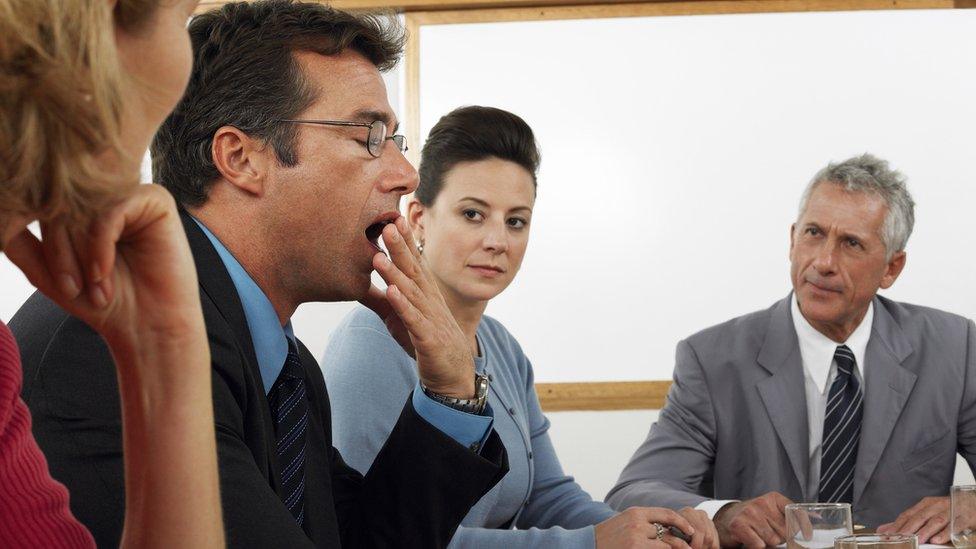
x=819, y=369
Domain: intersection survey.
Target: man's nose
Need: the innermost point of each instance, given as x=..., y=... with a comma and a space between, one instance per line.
x=400, y=176
x=825, y=261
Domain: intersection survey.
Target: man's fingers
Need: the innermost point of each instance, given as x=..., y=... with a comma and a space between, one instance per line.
x=780, y=501
x=941, y=538
x=778, y=527
x=806, y=527
x=403, y=254
x=886, y=528
x=61, y=258
x=905, y=518
x=933, y=526
x=915, y=523
x=393, y=276
x=750, y=538
x=412, y=319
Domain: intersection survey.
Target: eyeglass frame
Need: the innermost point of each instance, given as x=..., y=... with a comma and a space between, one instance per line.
x=400, y=143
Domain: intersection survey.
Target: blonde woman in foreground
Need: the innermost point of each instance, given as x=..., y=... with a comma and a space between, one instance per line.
x=83, y=86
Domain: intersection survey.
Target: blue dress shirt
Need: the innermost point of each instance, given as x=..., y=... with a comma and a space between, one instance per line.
x=271, y=349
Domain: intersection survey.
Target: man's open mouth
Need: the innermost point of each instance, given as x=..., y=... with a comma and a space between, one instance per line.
x=374, y=231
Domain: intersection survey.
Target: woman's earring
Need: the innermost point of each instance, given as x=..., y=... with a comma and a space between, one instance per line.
x=420, y=247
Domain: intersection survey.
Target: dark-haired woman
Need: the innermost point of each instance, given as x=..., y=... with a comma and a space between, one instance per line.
x=472, y=214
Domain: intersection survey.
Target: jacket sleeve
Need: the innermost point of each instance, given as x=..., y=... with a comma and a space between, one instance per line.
x=674, y=464
x=418, y=489
x=967, y=412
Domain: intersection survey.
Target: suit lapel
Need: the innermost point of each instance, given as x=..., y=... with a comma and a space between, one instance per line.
x=782, y=393
x=216, y=283
x=886, y=389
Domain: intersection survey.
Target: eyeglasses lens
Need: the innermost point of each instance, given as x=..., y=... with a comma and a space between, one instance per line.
x=376, y=138
x=401, y=142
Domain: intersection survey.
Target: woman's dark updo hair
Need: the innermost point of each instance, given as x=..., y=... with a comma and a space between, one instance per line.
x=469, y=134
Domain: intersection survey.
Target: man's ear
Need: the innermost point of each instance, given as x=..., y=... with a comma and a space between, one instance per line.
x=893, y=269
x=415, y=218
x=241, y=160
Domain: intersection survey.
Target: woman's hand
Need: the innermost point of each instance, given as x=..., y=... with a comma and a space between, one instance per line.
x=635, y=528
x=128, y=273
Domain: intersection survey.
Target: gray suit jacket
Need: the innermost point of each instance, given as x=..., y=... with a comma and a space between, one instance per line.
x=735, y=422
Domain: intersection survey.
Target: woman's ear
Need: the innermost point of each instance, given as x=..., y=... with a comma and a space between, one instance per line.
x=416, y=213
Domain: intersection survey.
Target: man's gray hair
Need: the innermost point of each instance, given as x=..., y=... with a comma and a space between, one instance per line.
x=870, y=174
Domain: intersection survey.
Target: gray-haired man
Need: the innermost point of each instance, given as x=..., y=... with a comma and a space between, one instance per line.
x=831, y=394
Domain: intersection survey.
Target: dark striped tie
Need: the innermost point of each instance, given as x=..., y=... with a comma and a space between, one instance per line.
x=290, y=411
x=842, y=431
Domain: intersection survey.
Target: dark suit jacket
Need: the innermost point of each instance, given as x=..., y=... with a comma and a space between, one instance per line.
x=415, y=495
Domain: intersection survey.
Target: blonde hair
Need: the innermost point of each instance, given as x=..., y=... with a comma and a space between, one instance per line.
x=60, y=103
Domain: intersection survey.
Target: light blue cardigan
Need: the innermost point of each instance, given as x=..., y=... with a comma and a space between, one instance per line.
x=369, y=376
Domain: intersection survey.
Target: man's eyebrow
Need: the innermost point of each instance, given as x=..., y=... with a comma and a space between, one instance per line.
x=369, y=115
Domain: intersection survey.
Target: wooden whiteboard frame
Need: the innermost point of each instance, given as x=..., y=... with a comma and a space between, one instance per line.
x=448, y=5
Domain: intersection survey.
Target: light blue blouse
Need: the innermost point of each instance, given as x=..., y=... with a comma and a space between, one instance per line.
x=369, y=375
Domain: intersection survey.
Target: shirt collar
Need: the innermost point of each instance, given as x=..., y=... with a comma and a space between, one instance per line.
x=269, y=337
x=817, y=350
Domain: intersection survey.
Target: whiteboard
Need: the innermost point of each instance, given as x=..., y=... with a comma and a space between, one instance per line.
x=675, y=150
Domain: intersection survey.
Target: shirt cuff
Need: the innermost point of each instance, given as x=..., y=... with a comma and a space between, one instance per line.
x=470, y=430
x=711, y=506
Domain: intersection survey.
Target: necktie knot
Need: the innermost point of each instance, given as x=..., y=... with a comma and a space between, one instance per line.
x=845, y=360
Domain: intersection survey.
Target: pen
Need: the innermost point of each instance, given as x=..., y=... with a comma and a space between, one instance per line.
x=676, y=532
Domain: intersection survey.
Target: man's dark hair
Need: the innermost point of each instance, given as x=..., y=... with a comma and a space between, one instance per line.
x=469, y=134
x=244, y=75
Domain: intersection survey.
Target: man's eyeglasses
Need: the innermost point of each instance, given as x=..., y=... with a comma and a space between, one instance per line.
x=374, y=140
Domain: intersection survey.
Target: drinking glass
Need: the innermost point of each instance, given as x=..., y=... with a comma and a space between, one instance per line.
x=816, y=525
x=877, y=541
x=962, y=516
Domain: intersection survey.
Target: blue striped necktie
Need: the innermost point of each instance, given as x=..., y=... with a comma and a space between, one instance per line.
x=289, y=408
x=842, y=431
